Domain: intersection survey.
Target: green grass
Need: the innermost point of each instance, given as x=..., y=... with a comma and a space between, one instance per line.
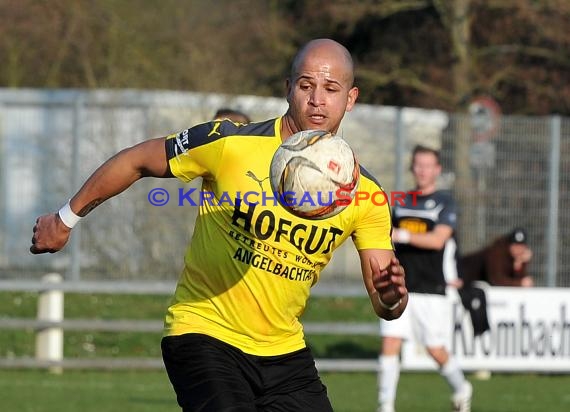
x=338, y=309
x=95, y=391
x=88, y=344
x=120, y=390
x=85, y=391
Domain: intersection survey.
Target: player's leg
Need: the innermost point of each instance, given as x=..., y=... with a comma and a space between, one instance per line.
x=435, y=339
x=392, y=332
x=208, y=375
x=389, y=373
x=291, y=383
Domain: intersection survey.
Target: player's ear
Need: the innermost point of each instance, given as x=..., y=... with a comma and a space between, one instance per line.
x=351, y=98
x=288, y=86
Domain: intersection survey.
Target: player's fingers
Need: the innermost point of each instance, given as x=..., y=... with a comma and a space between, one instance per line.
x=396, y=277
x=402, y=293
x=401, y=289
x=391, y=277
x=395, y=267
x=38, y=246
x=382, y=280
x=378, y=274
x=397, y=281
x=394, y=261
x=36, y=250
x=389, y=295
x=375, y=266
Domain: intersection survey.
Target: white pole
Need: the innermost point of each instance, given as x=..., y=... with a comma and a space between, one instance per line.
x=49, y=341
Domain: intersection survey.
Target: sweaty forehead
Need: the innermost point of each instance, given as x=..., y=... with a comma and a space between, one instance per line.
x=322, y=69
x=324, y=59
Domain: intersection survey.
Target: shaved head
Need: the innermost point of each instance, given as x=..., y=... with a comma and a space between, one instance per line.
x=320, y=88
x=328, y=49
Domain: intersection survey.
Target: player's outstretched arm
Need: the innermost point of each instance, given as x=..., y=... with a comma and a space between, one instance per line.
x=148, y=158
x=385, y=282
x=434, y=239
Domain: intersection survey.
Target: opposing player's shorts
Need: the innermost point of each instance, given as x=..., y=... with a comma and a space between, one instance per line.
x=423, y=320
x=210, y=375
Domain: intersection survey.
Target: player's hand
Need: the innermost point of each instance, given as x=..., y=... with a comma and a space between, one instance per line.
x=390, y=282
x=50, y=234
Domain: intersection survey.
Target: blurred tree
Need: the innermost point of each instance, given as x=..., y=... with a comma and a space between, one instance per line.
x=231, y=46
x=440, y=53
x=424, y=53
x=523, y=54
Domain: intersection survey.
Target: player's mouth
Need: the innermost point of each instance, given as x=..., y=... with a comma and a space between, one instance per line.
x=317, y=118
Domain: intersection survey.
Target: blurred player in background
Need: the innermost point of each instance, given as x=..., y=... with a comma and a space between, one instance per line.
x=233, y=339
x=502, y=263
x=231, y=114
x=424, y=237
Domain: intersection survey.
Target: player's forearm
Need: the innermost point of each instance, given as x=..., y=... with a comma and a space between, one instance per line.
x=52, y=231
x=426, y=241
x=119, y=173
x=112, y=178
x=434, y=240
x=384, y=279
x=420, y=240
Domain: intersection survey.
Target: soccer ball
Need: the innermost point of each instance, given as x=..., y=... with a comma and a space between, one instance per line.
x=314, y=174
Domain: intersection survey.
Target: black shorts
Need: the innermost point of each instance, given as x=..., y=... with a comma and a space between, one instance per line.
x=209, y=375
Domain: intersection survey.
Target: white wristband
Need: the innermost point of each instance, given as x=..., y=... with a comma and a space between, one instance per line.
x=387, y=307
x=403, y=236
x=67, y=216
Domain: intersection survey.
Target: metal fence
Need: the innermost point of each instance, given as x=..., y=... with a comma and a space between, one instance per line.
x=51, y=140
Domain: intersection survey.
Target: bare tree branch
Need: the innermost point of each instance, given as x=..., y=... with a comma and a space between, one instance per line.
x=61, y=53
x=405, y=78
x=556, y=56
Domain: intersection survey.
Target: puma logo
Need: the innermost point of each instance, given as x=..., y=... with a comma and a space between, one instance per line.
x=254, y=177
x=215, y=130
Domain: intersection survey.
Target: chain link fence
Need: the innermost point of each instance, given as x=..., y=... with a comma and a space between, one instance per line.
x=51, y=141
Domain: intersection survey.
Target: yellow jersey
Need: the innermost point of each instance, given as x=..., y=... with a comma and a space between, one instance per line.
x=251, y=263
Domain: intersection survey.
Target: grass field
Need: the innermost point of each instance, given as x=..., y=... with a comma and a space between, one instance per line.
x=125, y=391
x=85, y=391
x=112, y=344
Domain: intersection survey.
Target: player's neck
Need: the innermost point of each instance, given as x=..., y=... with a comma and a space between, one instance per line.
x=287, y=127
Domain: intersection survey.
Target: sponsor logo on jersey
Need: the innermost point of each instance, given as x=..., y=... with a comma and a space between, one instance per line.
x=308, y=238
